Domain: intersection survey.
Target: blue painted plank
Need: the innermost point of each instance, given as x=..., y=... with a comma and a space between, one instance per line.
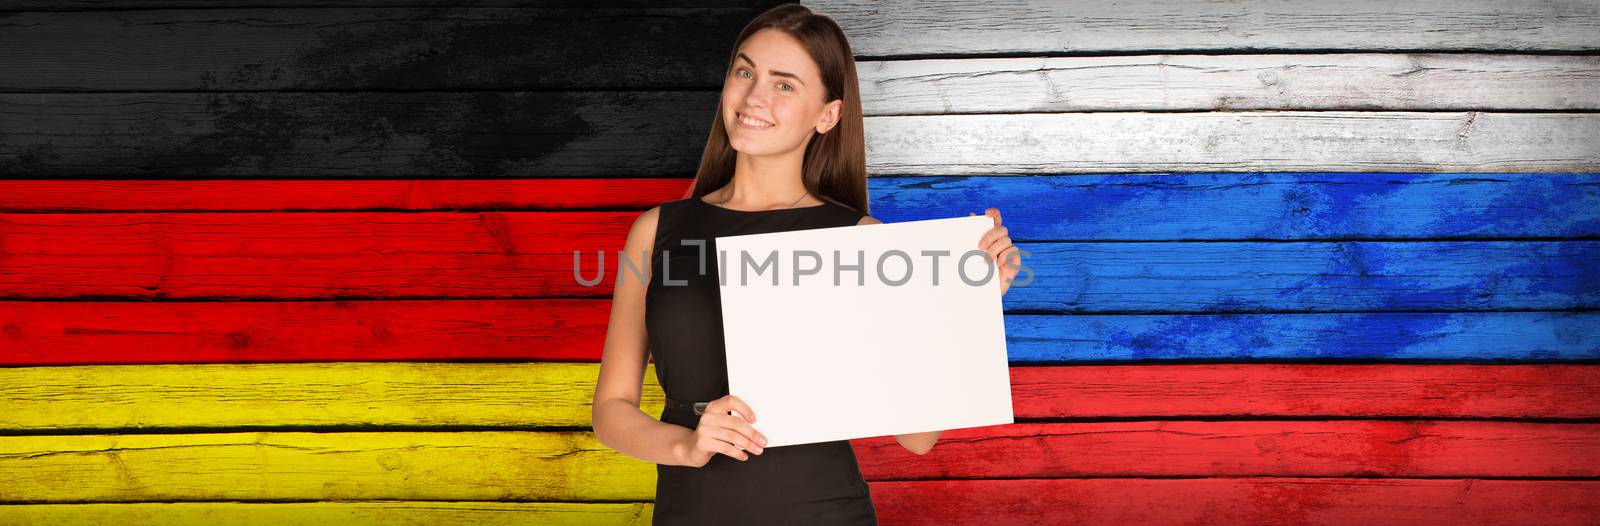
x=1252, y=206
x=1313, y=276
x=1386, y=336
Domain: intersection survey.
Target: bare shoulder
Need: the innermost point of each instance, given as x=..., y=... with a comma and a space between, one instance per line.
x=644, y=227
x=869, y=220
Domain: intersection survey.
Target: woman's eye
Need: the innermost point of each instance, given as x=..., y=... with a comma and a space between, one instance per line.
x=740, y=72
x=790, y=88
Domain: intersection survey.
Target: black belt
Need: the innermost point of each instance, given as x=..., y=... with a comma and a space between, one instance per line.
x=699, y=408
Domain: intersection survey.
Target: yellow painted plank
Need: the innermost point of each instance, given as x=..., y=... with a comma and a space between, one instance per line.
x=490, y=465
x=334, y=393
x=322, y=513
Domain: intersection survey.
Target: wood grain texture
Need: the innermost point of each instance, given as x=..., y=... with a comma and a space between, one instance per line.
x=90, y=332
x=984, y=27
x=97, y=5
x=1094, y=500
x=1167, y=82
x=362, y=134
x=483, y=465
x=156, y=397
x=438, y=47
x=1297, y=141
x=571, y=466
x=1254, y=206
x=531, y=254
x=242, y=195
x=1088, y=207
x=96, y=332
x=1247, y=500
x=1349, y=448
x=623, y=134
x=464, y=513
x=337, y=394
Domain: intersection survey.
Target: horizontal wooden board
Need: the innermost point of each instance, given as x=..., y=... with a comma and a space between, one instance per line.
x=388, y=394
x=1244, y=500
x=1294, y=141
x=342, y=394
x=978, y=27
x=1310, y=276
x=96, y=332
x=1237, y=206
x=1360, y=448
x=572, y=466
x=624, y=134
x=1142, y=207
x=325, y=48
x=464, y=513
x=1168, y=82
x=365, y=134
x=529, y=254
x=251, y=195
x=1389, y=336
x=89, y=332
x=484, y=465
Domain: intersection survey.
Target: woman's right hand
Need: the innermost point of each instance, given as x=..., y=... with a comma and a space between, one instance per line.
x=721, y=432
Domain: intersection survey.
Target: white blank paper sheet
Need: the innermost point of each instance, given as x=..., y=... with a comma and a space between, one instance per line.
x=902, y=344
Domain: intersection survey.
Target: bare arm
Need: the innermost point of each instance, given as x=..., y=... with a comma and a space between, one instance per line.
x=919, y=443
x=617, y=420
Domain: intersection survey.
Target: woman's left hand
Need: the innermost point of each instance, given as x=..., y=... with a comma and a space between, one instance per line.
x=998, y=244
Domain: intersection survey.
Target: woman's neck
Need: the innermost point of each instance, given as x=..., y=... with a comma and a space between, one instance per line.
x=761, y=183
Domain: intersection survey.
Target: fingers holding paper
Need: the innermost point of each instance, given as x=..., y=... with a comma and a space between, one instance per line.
x=725, y=429
x=997, y=242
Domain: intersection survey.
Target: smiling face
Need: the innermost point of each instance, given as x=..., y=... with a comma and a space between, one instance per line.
x=772, y=98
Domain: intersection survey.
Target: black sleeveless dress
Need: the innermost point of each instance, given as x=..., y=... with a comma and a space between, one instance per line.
x=818, y=483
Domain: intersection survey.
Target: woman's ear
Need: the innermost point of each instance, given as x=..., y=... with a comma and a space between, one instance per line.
x=830, y=116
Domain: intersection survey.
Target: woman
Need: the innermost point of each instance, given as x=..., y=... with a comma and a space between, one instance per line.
x=786, y=152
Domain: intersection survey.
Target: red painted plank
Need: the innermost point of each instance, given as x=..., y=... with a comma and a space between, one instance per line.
x=101, y=195
x=334, y=255
x=1250, y=390
x=1348, y=448
x=1233, y=501
x=41, y=333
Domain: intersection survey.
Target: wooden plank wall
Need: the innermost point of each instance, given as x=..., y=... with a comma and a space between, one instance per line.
x=291, y=262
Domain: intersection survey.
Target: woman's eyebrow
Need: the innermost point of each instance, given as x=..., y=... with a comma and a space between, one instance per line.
x=773, y=71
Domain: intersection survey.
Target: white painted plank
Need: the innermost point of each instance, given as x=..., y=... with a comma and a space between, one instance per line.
x=1474, y=142
x=1403, y=82
x=933, y=27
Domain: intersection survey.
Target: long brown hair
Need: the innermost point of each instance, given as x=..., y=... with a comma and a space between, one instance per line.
x=835, y=163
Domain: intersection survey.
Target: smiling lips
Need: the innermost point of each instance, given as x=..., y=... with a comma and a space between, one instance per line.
x=751, y=122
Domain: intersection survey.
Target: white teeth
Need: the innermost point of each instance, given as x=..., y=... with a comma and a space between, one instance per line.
x=753, y=122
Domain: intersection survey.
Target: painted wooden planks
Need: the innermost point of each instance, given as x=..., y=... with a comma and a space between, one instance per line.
x=611, y=134
x=242, y=195
x=1088, y=207
x=1297, y=141
x=530, y=254
x=96, y=332
x=1346, y=448
x=1332, y=501
x=372, y=134
x=88, y=332
x=465, y=513
x=329, y=48
x=970, y=27
x=573, y=467
x=1252, y=206
x=462, y=465
x=1245, y=500
x=1178, y=82
x=557, y=395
